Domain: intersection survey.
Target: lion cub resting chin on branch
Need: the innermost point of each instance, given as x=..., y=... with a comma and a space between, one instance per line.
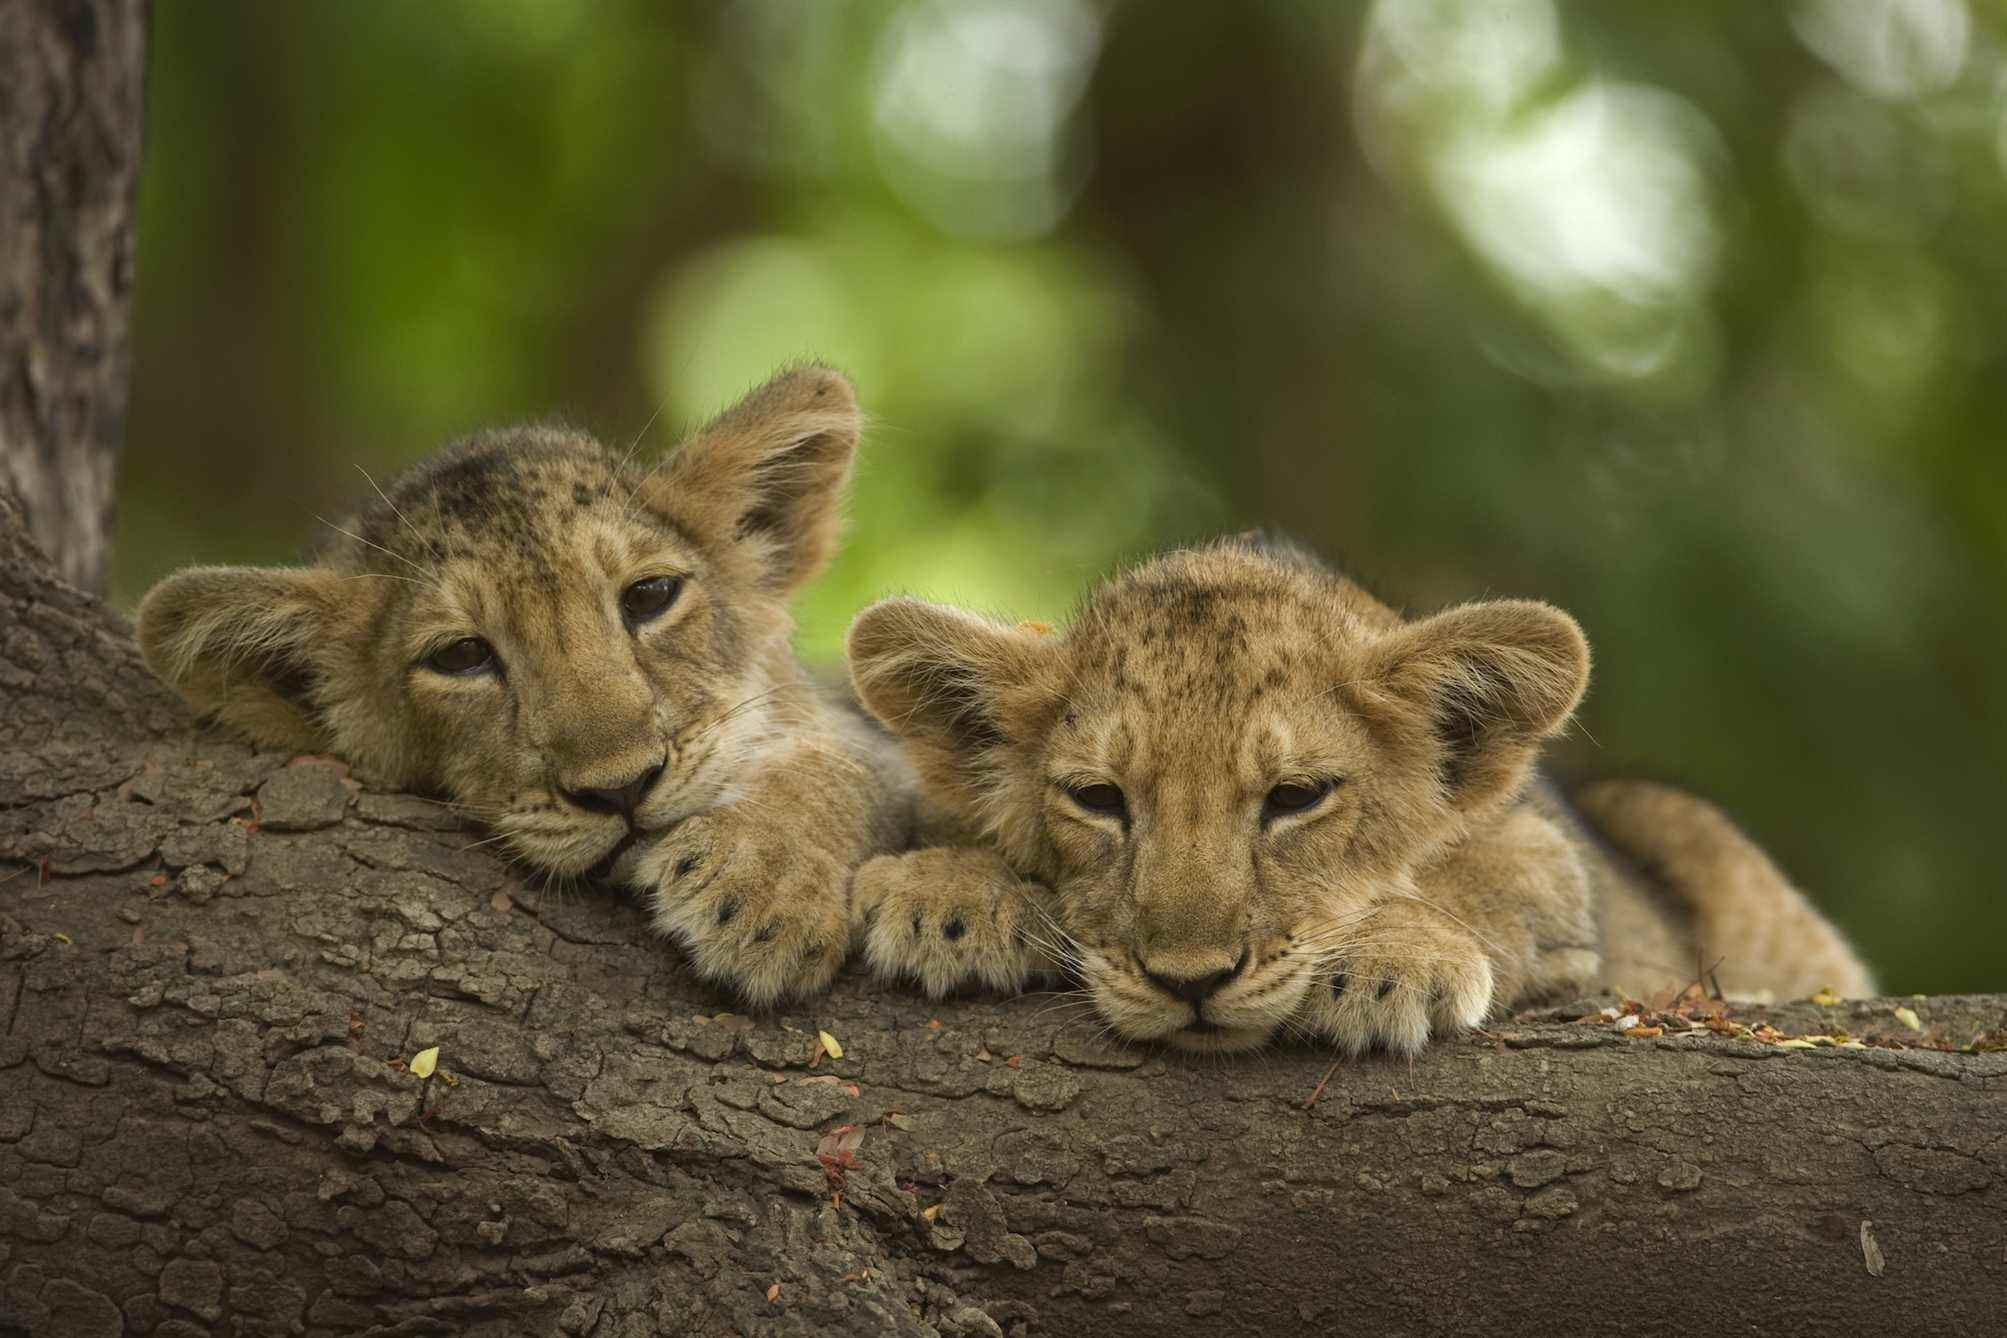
x=1239, y=798
x=591, y=657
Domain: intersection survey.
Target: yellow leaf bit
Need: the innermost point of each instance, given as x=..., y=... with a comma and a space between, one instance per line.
x=424, y=1062
x=829, y=1045
x=1825, y=998
x=1908, y=1017
x=1871, y=1250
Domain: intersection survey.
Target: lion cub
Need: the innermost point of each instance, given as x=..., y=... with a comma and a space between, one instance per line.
x=1238, y=797
x=592, y=659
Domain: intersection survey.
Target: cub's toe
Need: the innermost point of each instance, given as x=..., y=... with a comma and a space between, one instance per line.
x=756, y=913
x=922, y=919
x=1406, y=980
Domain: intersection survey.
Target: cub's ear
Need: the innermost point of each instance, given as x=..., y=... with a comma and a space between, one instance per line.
x=955, y=686
x=1486, y=683
x=769, y=473
x=241, y=645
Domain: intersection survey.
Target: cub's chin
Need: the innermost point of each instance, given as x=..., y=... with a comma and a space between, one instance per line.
x=1206, y=1038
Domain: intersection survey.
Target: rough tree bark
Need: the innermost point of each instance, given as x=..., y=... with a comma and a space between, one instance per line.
x=214, y=964
x=70, y=100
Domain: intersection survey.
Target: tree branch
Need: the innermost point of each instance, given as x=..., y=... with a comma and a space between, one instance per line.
x=215, y=965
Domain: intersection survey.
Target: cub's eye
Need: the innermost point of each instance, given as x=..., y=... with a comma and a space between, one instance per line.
x=1295, y=797
x=1099, y=797
x=648, y=599
x=468, y=655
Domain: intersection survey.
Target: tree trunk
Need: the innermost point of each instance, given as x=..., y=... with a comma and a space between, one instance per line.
x=70, y=99
x=216, y=967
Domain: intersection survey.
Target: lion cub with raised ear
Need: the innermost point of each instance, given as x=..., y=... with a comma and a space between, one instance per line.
x=1239, y=797
x=592, y=658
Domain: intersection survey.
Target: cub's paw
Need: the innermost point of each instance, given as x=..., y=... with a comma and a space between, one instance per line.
x=1405, y=972
x=757, y=908
x=947, y=918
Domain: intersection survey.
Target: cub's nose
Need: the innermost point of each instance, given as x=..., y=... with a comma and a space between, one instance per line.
x=1193, y=989
x=622, y=798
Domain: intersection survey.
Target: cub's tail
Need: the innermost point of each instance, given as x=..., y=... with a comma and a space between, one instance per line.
x=1769, y=938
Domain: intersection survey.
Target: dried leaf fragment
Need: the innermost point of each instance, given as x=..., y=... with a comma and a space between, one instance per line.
x=1871, y=1250
x=929, y=1213
x=1907, y=1016
x=829, y=1045
x=838, y=1153
x=1825, y=998
x=773, y=1292
x=424, y=1062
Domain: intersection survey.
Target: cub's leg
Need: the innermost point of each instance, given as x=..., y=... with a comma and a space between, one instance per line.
x=758, y=890
x=1769, y=938
x=1504, y=917
x=954, y=916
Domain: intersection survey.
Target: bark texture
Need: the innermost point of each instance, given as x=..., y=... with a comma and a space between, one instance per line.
x=70, y=102
x=215, y=965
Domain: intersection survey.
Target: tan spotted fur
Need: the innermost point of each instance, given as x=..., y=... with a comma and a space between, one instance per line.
x=770, y=791
x=1433, y=882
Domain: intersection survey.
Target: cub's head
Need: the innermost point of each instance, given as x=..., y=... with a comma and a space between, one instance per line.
x=1220, y=764
x=574, y=647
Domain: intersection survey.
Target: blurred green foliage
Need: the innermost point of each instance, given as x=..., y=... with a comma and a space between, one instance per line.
x=1690, y=318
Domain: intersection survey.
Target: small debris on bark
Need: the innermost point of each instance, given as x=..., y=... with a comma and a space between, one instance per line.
x=838, y=1153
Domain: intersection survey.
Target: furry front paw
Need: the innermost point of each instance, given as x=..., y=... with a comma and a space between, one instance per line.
x=1404, y=973
x=758, y=909
x=947, y=918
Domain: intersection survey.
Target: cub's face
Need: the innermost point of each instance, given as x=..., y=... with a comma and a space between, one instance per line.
x=1223, y=763
x=576, y=649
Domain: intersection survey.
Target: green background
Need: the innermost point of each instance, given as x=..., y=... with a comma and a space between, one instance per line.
x=1691, y=318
